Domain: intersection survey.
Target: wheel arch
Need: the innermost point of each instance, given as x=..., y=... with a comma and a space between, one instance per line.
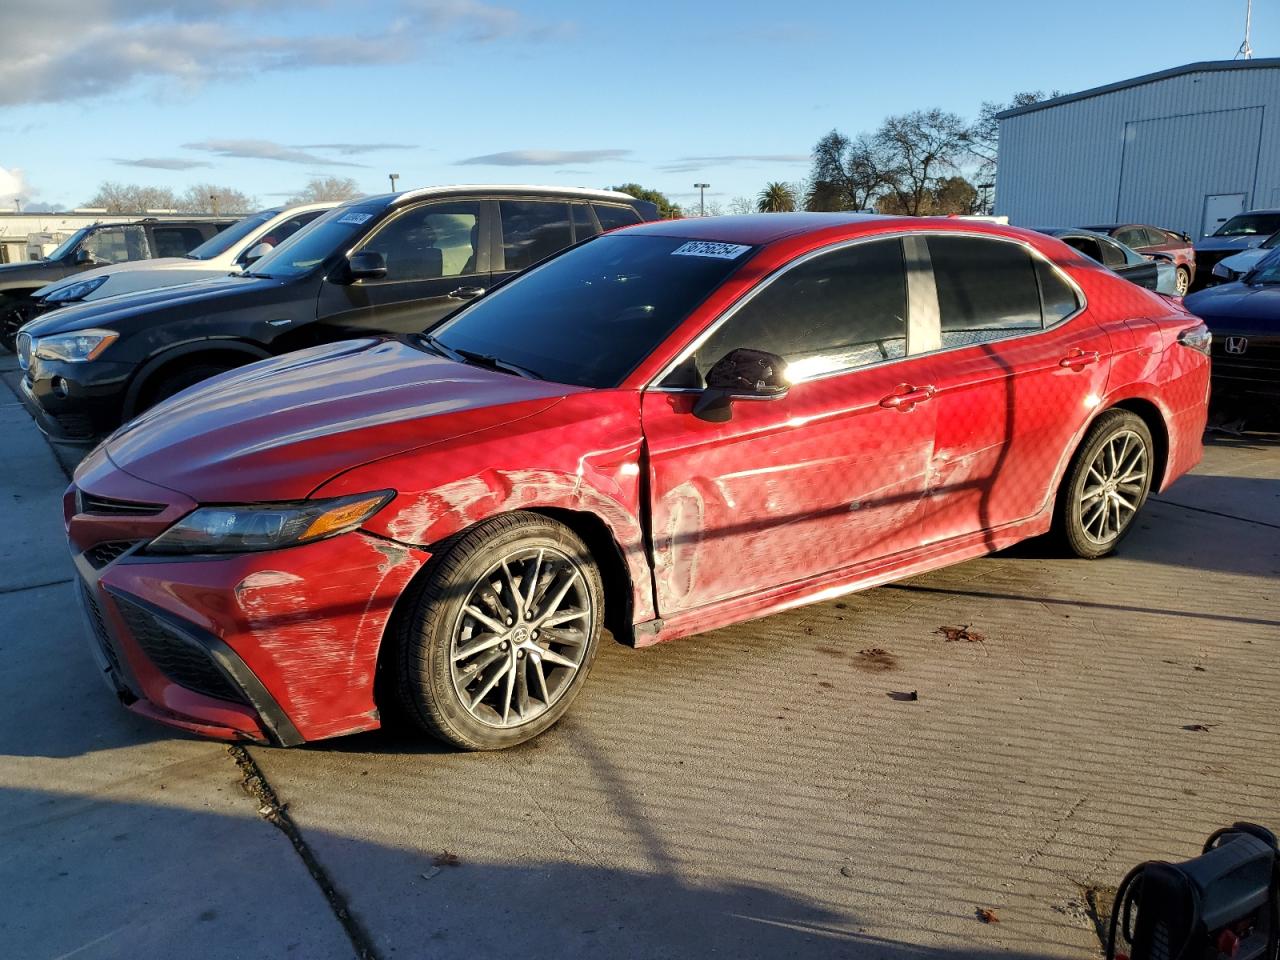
x=1153, y=417
x=188, y=354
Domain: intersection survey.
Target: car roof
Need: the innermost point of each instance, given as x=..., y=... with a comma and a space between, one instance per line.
x=1072, y=232
x=500, y=189
x=759, y=228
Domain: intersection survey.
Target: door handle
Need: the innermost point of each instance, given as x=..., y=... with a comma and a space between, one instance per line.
x=1080, y=358
x=466, y=293
x=907, y=396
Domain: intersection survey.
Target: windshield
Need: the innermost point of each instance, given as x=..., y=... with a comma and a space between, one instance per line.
x=1271, y=242
x=69, y=244
x=220, y=243
x=1249, y=224
x=308, y=248
x=590, y=315
x=1267, y=270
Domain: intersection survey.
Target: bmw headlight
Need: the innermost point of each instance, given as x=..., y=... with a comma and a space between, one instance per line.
x=74, y=291
x=267, y=526
x=77, y=347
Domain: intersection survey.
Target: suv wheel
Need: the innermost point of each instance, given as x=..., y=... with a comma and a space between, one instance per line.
x=499, y=636
x=180, y=379
x=1106, y=484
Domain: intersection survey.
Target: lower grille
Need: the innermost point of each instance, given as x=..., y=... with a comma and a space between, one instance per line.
x=101, y=554
x=99, y=624
x=182, y=659
x=76, y=426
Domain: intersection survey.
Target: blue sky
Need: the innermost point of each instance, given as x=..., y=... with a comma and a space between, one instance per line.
x=262, y=95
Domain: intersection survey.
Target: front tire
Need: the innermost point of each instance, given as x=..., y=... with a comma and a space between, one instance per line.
x=1182, y=281
x=499, y=634
x=1106, y=485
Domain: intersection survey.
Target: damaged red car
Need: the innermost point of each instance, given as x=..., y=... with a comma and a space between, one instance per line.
x=663, y=430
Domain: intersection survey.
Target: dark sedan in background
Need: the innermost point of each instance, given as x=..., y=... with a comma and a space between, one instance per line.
x=1114, y=256
x=1151, y=241
x=1244, y=231
x=1244, y=318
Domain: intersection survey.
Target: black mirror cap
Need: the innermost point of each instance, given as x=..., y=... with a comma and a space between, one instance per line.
x=747, y=373
x=83, y=256
x=366, y=265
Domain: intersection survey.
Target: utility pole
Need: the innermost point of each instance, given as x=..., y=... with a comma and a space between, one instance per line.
x=702, y=198
x=393, y=177
x=1246, y=51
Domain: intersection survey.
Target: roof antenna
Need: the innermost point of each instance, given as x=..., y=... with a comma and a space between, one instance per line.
x=1245, y=50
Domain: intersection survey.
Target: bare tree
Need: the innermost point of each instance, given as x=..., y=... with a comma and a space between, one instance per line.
x=982, y=139
x=947, y=195
x=742, y=205
x=327, y=188
x=924, y=144
x=132, y=198
x=215, y=199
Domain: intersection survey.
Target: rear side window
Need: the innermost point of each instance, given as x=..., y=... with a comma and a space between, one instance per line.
x=1057, y=296
x=533, y=230
x=1112, y=256
x=175, y=241
x=1131, y=237
x=987, y=289
x=612, y=217
x=838, y=311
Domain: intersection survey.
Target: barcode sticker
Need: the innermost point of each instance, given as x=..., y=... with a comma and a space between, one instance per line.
x=710, y=248
x=356, y=218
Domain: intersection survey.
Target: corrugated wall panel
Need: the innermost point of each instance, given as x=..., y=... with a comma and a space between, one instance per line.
x=1062, y=166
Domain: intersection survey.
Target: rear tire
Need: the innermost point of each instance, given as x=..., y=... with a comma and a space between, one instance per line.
x=1182, y=281
x=1106, y=485
x=497, y=637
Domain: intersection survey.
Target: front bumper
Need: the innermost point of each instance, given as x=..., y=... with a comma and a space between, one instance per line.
x=75, y=402
x=276, y=647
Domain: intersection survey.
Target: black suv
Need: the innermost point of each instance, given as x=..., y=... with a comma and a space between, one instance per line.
x=397, y=263
x=95, y=246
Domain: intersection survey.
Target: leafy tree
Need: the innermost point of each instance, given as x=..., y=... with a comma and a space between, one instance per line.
x=947, y=195
x=848, y=174
x=327, y=188
x=923, y=144
x=776, y=197
x=666, y=209
x=215, y=199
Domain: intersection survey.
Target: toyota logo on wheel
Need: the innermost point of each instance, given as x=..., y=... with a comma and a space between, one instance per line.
x=1235, y=345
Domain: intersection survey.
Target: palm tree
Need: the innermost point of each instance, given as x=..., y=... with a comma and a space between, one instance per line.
x=776, y=197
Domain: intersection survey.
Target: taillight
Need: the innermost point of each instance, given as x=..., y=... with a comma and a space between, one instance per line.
x=1197, y=338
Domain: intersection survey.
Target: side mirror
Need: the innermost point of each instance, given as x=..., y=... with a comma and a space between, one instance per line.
x=366, y=265
x=741, y=374
x=83, y=256
x=256, y=253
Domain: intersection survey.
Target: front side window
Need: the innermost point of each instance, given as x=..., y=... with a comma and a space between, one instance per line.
x=329, y=235
x=117, y=244
x=837, y=311
x=1249, y=224
x=592, y=314
x=532, y=230
x=987, y=289
x=431, y=241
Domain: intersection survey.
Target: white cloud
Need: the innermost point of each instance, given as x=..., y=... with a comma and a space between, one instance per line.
x=162, y=163
x=544, y=158
x=265, y=150
x=13, y=185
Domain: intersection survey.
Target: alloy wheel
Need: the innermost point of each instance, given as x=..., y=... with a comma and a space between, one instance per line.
x=521, y=637
x=1182, y=282
x=1113, y=486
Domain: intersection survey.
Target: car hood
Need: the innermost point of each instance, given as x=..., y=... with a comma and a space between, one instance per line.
x=94, y=313
x=1231, y=243
x=1241, y=262
x=278, y=429
x=112, y=269
x=1235, y=301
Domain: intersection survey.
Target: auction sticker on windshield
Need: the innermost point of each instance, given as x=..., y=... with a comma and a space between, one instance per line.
x=709, y=248
x=356, y=218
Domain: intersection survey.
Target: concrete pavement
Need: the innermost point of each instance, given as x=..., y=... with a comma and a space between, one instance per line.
x=755, y=792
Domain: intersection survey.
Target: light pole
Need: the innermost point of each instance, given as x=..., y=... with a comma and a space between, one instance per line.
x=986, y=189
x=393, y=177
x=702, y=198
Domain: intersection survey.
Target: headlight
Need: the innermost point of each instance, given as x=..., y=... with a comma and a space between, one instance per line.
x=77, y=347
x=267, y=526
x=74, y=291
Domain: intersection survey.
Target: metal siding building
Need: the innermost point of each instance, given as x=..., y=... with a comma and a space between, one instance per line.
x=1182, y=149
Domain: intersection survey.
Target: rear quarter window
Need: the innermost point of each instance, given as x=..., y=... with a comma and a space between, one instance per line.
x=612, y=217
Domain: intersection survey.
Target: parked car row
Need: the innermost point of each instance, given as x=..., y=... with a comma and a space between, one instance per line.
x=91, y=247
x=1242, y=233
x=649, y=431
x=396, y=263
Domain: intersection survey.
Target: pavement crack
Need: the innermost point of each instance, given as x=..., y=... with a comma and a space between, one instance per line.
x=254, y=783
x=34, y=586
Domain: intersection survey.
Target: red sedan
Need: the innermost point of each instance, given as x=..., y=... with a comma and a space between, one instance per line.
x=663, y=430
